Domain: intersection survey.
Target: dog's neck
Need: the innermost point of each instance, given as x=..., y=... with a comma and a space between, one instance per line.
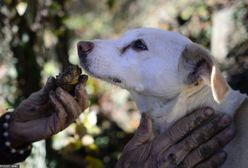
x=165, y=112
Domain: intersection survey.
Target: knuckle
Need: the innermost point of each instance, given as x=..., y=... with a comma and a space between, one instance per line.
x=208, y=129
x=166, y=158
x=172, y=134
x=204, y=151
x=182, y=128
x=191, y=142
x=195, y=120
x=197, y=138
x=196, y=154
x=205, y=133
x=213, y=125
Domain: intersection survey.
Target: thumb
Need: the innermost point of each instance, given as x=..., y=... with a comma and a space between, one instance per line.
x=143, y=134
x=50, y=85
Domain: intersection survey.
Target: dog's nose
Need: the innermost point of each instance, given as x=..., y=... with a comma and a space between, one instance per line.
x=85, y=47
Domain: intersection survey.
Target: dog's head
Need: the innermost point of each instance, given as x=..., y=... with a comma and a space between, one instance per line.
x=152, y=62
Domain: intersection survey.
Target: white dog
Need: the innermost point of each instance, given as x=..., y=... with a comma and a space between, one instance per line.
x=168, y=76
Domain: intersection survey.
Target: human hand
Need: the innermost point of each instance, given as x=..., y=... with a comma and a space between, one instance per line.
x=194, y=141
x=46, y=113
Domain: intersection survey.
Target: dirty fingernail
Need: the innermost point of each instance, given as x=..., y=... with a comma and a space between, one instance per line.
x=225, y=120
x=230, y=132
x=209, y=112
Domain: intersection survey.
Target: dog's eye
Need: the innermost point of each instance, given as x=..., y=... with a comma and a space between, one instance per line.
x=140, y=45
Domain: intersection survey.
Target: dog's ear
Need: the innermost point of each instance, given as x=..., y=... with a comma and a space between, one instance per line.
x=197, y=65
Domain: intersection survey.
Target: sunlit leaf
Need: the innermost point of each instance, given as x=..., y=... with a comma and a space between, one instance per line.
x=21, y=8
x=75, y=22
x=87, y=140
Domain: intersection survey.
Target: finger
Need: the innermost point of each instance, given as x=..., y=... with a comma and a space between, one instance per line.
x=55, y=102
x=57, y=121
x=142, y=135
x=50, y=85
x=144, y=131
x=81, y=96
x=214, y=162
x=199, y=136
x=209, y=148
x=182, y=128
x=40, y=97
x=69, y=103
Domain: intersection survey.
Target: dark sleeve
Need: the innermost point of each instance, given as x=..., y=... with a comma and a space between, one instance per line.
x=6, y=156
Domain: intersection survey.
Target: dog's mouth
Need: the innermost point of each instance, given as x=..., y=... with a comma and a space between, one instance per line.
x=85, y=64
x=115, y=80
x=110, y=79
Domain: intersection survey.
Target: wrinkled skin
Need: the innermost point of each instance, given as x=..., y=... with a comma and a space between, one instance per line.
x=186, y=144
x=46, y=113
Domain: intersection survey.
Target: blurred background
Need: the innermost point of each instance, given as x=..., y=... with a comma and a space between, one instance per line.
x=38, y=39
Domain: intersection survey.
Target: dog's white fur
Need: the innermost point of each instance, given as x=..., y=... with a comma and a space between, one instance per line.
x=167, y=80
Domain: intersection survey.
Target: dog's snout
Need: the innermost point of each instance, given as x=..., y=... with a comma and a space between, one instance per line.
x=85, y=47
